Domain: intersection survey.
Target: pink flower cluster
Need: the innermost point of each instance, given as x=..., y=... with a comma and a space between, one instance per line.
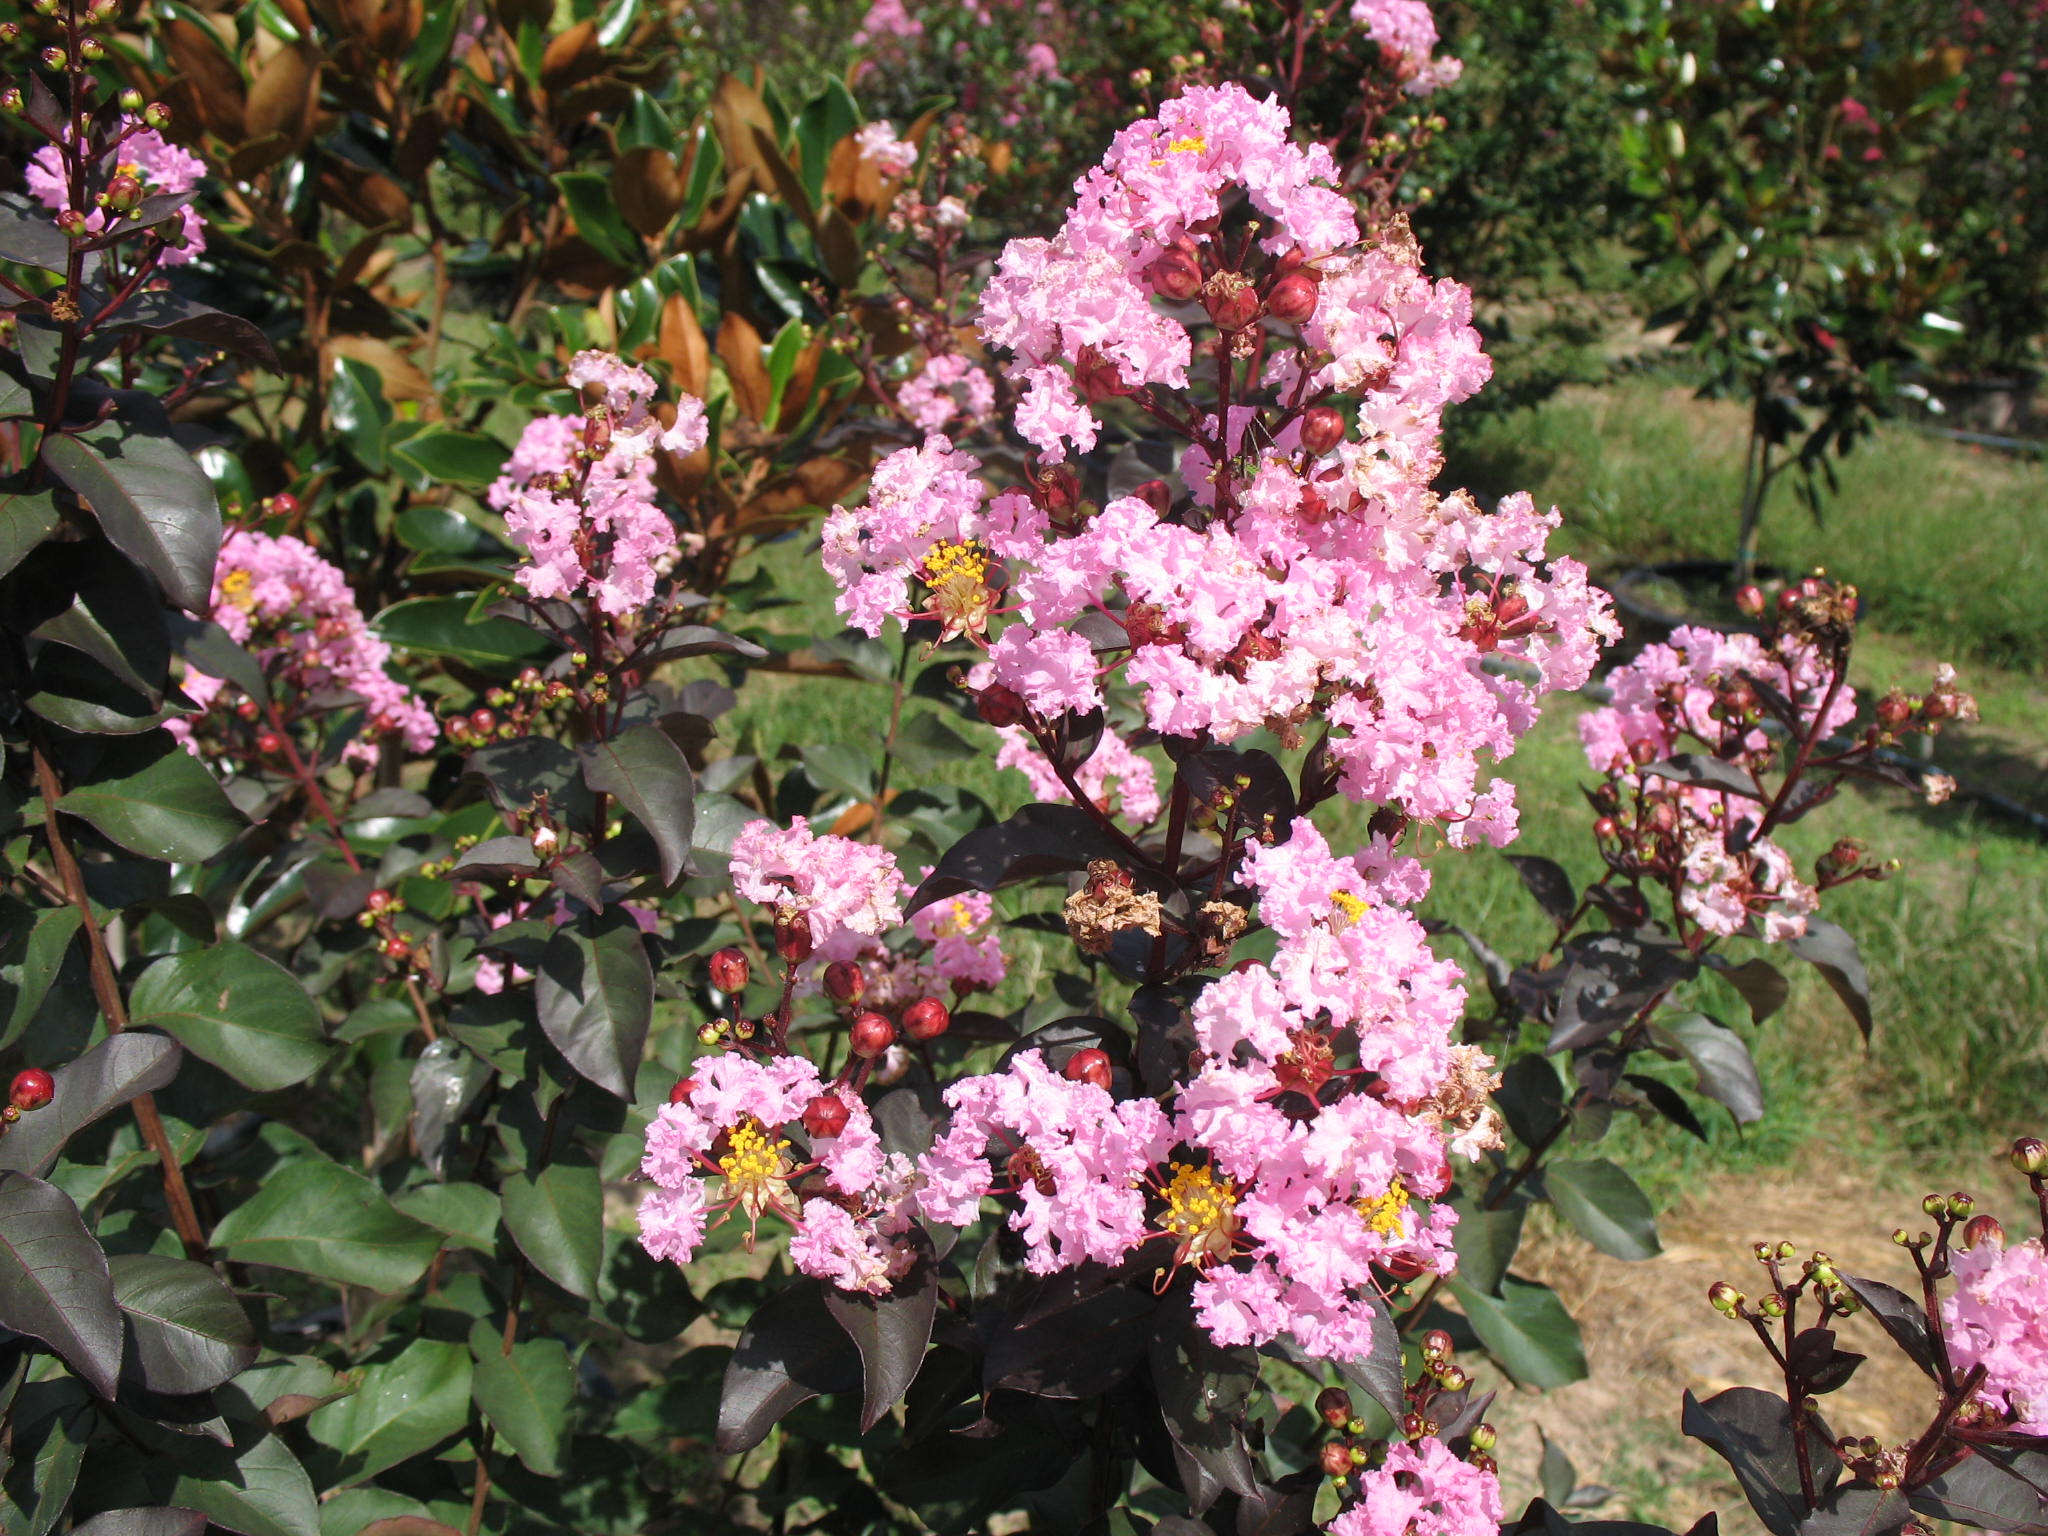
x=277, y=596
x=1136, y=796
x=163, y=169
x=741, y=1124
x=1669, y=700
x=838, y=885
x=578, y=491
x=1997, y=1317
x=947, y=389
x=1423, y=1490
x=1406, y=33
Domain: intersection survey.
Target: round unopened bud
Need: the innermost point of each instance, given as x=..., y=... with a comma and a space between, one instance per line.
x=1934, y=1205
x=1156, y=494
x=845, y=982
x=32, y=1089
x=1436, y=1345
x=270, y=743
x=131, y=100
x=1605, y=827
x=1293, y=297
x=1771, y=1304
x=1322, y=428
x=1231, y=302
x=397, y=947
x=124, y=192
x=1484, y=1438
x=793, y=939
x=1334, y=1404
x=1786, y=1249
x=926, y=1019
x=11, y=101
x=1454, y=1378
x=826, y=1115
x=2030, y=1154
x=1960, y=1205
x=1000, y=706
x=712, y=1031
x=378, y=900
x=157, y=116
x=1176, y=275
x=544, y=841
x=1983, y=1229
x=1088, y=1066
x=55, y=58
x=73, y=224
x=1724, y=1298
x=680, y=1094
x=1336, y=1458
x=92, y=50
x=872, y=1035
x=729, y=971
x=1749, y=600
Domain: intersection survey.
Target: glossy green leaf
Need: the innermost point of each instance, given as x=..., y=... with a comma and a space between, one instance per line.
x=589, y=197
x=154, y=798
x=358, y=411
x=454, y=458
x=258, y=1488
x=143, y=1522
x=186, y=1331
x=152, y=500
x=241, y=1011
x=525, y=1394
x=26, y=519
x=556, y=1216
x=404, y=1406
x=467, y=1214
x=320, y=1219
x=442, y=626
x=1487, y=1241
x=48, y=942
x=54, y=1280
x=1526, y=1329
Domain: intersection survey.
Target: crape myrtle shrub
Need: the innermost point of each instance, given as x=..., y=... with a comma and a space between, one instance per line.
x=452, y=1089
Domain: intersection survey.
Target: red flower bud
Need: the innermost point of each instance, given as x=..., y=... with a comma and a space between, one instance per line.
x=377, y=900
x=247, y=710
x=793, y=935
x=1334, y=1404
x=872, y=1035
x=1156, y=494
x=680, y=1094
x=270, y=743
x=1322, y=428
x=1336, y=1458
x=1983, y=1229
x=1000, y=706
x=1436, y=1345
x=1177, y=274
x=729, y=971
x=826, y=1115
x=845, y=982
x=1293, y=297
x=1089, y=1066
x=926, y=1019
x=482, y=720
x=33, y=1088
x=1097, y=378
x=1231, y=301
x=1750, y=600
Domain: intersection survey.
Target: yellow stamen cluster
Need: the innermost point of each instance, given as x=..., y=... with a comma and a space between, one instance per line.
x=1383, y=1213
x=752, y=1160
x=1201, y=1210
x=1193, y=144
x=237, y=587
x=963, y=562
x=1349, y=908
x=951, y=919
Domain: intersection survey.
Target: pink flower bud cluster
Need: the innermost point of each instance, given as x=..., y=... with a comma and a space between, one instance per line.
x=946, y=390
x=1406, y=33
x=578, y=492
x=163, y=169
x=1423, y=1490
x=278, y=597
x=1997, y=1317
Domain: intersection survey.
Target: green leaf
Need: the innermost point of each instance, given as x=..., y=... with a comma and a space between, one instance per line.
x=404, y=1406
x=318, y=1218
x=782, y=355
x=143, y=1522
x=26, y=519
x=442, y=626
x=1526, y=1329
x=556, y=1217
x=151, y=498
x=48, y=942
x=258, y=1489
x=54, y=1280
x=595, y=994
x=648, y=774
x=186, y=1331
x=826, y=118
x=154, y=798
x=589, y=196
x=454, y=458
x=104, y=1078
x=245, y=1013
x=525, y=1394
x=359, y=412
x=1606, y=1206
x=50, y=1423
x=465, y=1213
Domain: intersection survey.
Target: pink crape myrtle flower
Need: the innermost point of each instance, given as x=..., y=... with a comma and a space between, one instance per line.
x=1406, y=32
x=880, y=147
x=1422, y=1490
x=947, y=388
x=605, y=539
x=162, y=167
x=1997, y=1317
x=1073, y=1156
x=835, y=882
x=1137, y=783
x=278, y=596
x=1724, y=891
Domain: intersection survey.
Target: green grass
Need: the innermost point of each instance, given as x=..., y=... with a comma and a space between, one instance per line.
x=1945, y=542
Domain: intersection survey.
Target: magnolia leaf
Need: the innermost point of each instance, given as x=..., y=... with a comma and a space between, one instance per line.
x=241, y=1011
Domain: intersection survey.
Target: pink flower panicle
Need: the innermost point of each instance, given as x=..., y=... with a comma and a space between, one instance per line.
x=838, y=884
x=947, y=389
x=1997, y=1317
x=163, y=169
x=1422, y=1489
x=1406, y=33
x=578, y=491
x=280, y=598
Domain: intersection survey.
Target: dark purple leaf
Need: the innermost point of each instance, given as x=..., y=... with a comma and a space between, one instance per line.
x=890, y=1331
x=1983, y=1491
x=1667, y=1101
x=497, y=858
x=163, y=313
x=1039, y=840
x=1725, y=1070
x=187, y=1332
x=649, y=776
x=595, y=993
x=1820, y=1366
x=1549, y=884
x=1762, y=985
x=1203, y=1389
x=1830, y=950
x=28, y=236
x=792, y=1350
x=1613, y=977
x=1075, y=1335
x=1855, y=1510
x=697, y=640
x=104, y=1078
x=1752, y=1431
x=54, y=1281
x=1704, y=772
x=1251, y=784
x=1901, y=1316
x=1287, y=1508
